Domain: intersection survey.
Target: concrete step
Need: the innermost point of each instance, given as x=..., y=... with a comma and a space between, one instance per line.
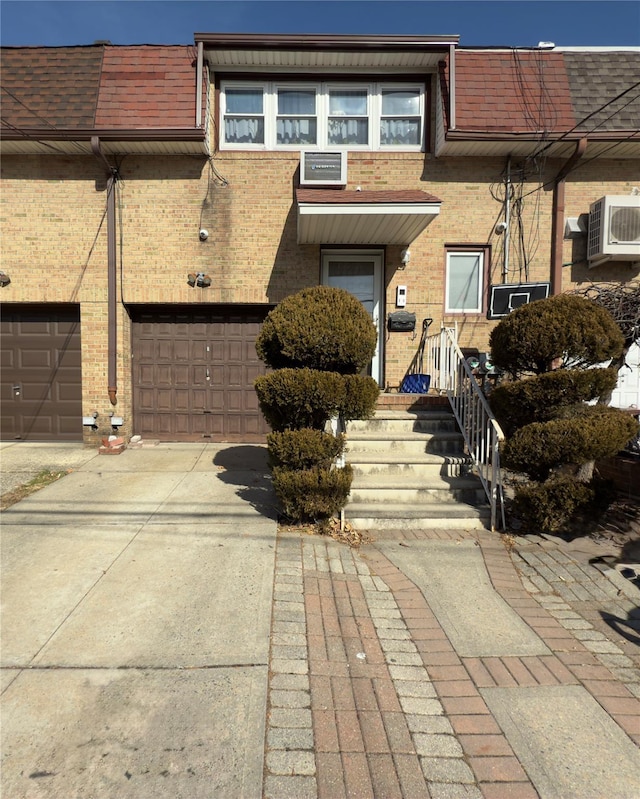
x=399, y=516
x=411, y=466
x=402, y=422
x=374, y=491
x=443, y=443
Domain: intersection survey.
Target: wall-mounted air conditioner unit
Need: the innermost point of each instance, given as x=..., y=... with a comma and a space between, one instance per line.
x=614, y=229
x=323, y=168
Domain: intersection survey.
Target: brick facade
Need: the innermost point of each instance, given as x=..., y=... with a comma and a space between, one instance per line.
x=55, y=244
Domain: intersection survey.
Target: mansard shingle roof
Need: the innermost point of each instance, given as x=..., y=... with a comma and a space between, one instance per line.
x=528, y=91
x=98, y=86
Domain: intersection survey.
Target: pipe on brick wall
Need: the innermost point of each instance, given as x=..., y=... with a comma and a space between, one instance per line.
x=112, y=345
x=557, y=216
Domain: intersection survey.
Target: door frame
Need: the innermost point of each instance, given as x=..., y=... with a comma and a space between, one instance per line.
x=364, y=255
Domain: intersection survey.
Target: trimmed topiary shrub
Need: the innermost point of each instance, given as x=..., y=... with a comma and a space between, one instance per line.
x=581, y=434
x=553, y=436
x=317, y=341
x=312, y=494
x=296, y=398
x=516, y=404
x=319, y=328
x=551, y=507
x=563, y=330
x=304, y=449
x=360, y=397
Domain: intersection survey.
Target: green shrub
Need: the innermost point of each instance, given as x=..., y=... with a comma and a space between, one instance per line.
x=552, y=507
x=360, y=397
x=304, y=449
x=296, y=398
x=312, y=494
x=516, y=404
x=580, y=434
x=534, y=337
x=318, y=328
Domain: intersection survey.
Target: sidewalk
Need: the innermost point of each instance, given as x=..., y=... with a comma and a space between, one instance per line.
x=376, y=692
x=161, y=638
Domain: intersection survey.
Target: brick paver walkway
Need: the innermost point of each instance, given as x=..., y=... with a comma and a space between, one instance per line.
x=368, y=697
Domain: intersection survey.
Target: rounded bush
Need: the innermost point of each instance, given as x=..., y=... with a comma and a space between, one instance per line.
x=312, y=494
x=360, y=397
x=304, y=449
x=552, y=507
x=566, y=329
x=296, y=398
x=322, y=328
x=516, y=404
x=585, y=433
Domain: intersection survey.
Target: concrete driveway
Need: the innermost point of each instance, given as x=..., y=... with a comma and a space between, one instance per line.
x=136, y=609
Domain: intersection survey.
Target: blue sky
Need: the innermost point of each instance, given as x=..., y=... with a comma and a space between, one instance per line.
x=478, y=22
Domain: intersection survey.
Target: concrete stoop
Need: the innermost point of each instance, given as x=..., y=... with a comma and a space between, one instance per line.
x=410, y=470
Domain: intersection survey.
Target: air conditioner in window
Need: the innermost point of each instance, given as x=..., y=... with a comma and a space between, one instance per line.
x=614, y=229
x=323, y=168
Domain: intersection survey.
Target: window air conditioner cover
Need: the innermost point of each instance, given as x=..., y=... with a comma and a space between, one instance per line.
x=323, y=168
x=614, y=229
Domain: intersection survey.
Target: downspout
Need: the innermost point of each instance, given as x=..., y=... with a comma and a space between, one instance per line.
x=199, y=85
x=557, y=220
x=112, y=345
x=452, y=87
x=507, y=222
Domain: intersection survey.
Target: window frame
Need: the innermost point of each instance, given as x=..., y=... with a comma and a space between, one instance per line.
x=224, y=114
x=484, y=252
x=322, y=90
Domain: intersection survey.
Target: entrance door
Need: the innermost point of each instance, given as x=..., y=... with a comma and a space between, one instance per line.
x=360, y=273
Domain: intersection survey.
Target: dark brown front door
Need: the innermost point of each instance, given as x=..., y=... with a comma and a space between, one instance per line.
x=193, y=373
x=41, y=373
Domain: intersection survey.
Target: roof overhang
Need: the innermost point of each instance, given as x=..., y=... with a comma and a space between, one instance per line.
x=113, y=142
x=621, y=144
x=282, y=51
x=327, y=216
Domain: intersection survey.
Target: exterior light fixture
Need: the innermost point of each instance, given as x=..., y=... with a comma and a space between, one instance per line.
x=4, y=279
x=200, y=280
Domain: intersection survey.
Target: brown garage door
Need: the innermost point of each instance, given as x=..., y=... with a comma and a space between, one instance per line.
x=41, y=373
x=193, y=373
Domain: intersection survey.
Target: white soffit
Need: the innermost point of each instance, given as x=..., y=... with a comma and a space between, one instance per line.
x=229, y=59
x=361, y=223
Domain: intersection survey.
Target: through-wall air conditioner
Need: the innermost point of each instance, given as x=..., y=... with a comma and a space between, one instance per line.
x=614, y=229
x=323, y=168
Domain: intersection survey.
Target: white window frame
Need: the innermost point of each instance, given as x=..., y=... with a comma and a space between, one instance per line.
x=223, y=114
x=273, y=115
x=482, y=255
x=270, y=108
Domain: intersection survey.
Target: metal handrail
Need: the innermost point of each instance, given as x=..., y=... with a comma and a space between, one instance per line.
x=451, y=374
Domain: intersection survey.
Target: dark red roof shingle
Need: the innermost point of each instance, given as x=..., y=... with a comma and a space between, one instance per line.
x=50, y=87
x=98, y=87
x=512, y=92
x=386, y=196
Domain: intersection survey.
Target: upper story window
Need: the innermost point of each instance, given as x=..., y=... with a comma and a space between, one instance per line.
x=296, y=121
x=244, y=117
x=365, y=116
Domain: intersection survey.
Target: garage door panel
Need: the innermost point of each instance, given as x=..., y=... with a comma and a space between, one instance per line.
x=164, y=400
x=162, y=373
x=36, y=359
x=235, y=374
x=218, y=346
x=41, y=356
x=216, y=373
